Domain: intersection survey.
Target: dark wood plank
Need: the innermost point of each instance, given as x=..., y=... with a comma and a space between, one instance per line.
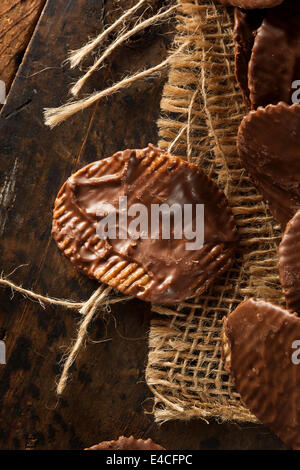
x=107, y=395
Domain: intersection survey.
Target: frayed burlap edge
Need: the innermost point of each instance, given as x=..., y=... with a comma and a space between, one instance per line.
x=202, y=108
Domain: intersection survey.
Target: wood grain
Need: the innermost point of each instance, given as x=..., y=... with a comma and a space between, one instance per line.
x=17, y=22
x=107, y=396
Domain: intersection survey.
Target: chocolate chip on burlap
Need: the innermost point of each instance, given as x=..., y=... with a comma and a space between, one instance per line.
x=275, y=59
x=127, y=443
x=246, y=24
x=268, y=145
x=158, y=270
x=289, y=263
x=259, y=348
x=250, y=4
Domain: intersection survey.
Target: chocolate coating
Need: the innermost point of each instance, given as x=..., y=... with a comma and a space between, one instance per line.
x=156, y=270
x=127, y=443
x=289, y=263
x=250, y=4
x=268, y=145
x=275, y=59
x=245, y=26
x=258, y=348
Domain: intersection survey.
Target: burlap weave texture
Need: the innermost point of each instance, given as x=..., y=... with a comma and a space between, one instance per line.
x=202, y=108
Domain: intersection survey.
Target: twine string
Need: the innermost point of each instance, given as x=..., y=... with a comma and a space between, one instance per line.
x=186, y=128
x=121, y=39
x=55, y=116
x=42, y=299
x=87, y=310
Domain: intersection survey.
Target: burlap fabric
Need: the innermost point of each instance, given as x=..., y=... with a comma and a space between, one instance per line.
x=201, y=108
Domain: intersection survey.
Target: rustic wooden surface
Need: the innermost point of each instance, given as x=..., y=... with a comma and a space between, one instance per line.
x=107, y=396
x=17, y=21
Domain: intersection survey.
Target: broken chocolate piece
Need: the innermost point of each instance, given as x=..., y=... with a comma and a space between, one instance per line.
x=275, y=60
x=250, y=4
x=160, y=269
x=127, y=443
x=246, y=24
x=268, y=145
x=262, y=351
x=289, y=263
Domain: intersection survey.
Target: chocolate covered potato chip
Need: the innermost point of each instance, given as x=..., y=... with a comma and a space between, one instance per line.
x=261, y=349
x=274, y=66
x=246, y=23
x=268, y=145
x=127, y=443
x=159, y=255
x=250, y=4
x=289, y=263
